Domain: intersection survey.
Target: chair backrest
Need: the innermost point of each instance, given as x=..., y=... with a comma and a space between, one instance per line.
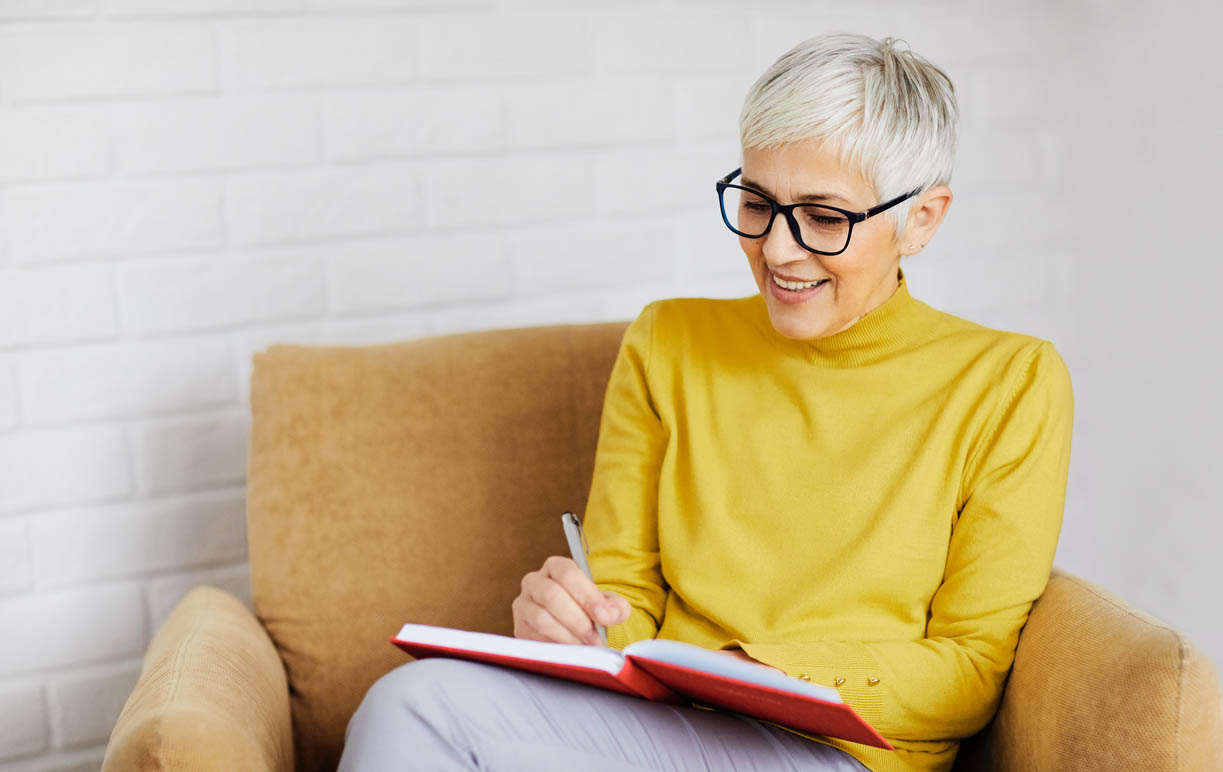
x=412, y=481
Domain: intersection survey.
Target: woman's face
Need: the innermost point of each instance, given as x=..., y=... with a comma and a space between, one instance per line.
x=859, y=279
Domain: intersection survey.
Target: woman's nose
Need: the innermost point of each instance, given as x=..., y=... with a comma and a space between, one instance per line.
x=780, y=241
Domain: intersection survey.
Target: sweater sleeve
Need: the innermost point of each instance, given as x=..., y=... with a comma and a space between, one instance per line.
x=949, y=684
x=621, y=519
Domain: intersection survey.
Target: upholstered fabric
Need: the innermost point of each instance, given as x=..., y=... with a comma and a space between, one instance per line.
x=1100, y=685
x=419, y=481
x=212, y=695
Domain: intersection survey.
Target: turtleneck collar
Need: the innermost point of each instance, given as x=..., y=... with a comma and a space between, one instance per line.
x=894, y=326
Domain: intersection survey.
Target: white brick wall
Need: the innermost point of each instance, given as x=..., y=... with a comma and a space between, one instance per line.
x=23, y=719
x=181, y=454
x=200, y=293
x=52, y=142
x=123, y=379
x=57, y=305
x=232, y=132
x=16, y=568
x=85, y=703
x=379, y=275
x=8, y=395
x=46, y=631
x=34, y=67
x=134, y=539
x=322, y=51
x=111, y=218
x=71, y=465
x=183, y=184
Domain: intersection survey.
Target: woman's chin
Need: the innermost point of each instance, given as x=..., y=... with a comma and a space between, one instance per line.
x=794, y=329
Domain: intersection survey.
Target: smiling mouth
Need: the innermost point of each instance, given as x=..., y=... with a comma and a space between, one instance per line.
x=794, y=286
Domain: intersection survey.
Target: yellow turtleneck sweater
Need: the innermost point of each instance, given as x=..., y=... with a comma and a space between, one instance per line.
x=875, y=510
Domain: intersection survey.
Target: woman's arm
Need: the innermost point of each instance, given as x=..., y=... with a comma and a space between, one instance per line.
x=948, y=685
x=621, y=518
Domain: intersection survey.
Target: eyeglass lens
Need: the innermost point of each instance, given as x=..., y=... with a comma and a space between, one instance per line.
x=821, y=228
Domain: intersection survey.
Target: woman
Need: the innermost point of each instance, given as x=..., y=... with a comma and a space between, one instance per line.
x=830, y=477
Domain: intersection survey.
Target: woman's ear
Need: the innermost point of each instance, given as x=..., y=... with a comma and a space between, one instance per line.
x=925, y=215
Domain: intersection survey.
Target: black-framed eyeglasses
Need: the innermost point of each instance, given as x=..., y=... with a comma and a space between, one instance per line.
x=818, y=228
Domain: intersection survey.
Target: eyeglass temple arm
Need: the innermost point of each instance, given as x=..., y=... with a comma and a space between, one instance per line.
x=731, y=176
x=874, y=210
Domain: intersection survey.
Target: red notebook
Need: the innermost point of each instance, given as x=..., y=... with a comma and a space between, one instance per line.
x=660, y=670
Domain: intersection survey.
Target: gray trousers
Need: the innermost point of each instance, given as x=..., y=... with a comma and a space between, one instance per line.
x=443, y=714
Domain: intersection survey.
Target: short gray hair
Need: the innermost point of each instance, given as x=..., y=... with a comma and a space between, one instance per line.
x=892, y=114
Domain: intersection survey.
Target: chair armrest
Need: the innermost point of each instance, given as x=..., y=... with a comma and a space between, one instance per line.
x=212, y=695
x=1097, y=685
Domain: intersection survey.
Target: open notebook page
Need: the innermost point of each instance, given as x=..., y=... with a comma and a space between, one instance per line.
x=709, y=661
x=596, y=657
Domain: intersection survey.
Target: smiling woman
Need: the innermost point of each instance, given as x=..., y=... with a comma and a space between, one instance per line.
x=806, y=137
x=859, y=269
x=829, y=477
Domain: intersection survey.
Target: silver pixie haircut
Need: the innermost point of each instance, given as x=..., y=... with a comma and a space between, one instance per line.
x=891, y=114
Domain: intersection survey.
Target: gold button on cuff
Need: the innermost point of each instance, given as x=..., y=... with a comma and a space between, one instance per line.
x=839, y=681
x=805, y=677
x=872, y=681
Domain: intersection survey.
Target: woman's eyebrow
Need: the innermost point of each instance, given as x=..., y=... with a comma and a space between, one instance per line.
x=804, y=197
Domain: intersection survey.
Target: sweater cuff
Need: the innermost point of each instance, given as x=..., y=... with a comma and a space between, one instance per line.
x=638, y=626
x=850, y=667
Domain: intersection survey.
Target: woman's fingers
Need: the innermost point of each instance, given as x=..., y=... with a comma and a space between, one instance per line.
x=552, y=610
x=620, y=604
x=586, y=604
x=542, y=626
x=560, y=603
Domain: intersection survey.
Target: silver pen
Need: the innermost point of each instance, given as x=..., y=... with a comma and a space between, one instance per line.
x=577, y=548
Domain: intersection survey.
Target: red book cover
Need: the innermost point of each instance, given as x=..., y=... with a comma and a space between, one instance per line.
x=761, y=701
x=659, y=670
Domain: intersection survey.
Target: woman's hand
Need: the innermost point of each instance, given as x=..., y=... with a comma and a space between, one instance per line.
x=558, y=603
x=741, y=654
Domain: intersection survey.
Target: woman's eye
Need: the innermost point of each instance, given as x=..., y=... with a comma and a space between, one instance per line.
x=756, y=207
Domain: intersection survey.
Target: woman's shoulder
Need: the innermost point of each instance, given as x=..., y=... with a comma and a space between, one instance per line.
x=693, y=306
x=693, y=320
x=958, y=330
x=1004, y=351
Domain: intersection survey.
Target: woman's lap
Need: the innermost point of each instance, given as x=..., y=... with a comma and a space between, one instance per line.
x=438, y=713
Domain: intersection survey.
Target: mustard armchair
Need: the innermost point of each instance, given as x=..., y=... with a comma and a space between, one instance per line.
x=420, y=480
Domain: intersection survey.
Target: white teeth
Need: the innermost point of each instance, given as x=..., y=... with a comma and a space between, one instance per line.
x=794, y=285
